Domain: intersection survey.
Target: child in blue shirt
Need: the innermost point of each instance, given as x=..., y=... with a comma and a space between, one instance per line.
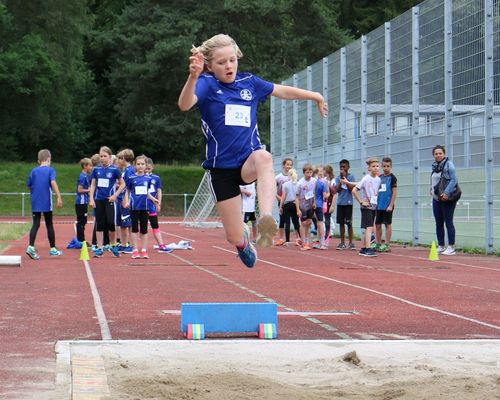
x=137, y=198
x=102, y=198
x=42, y=181
x=82, y=198
x=228, y=102
x=385, y=205
x=344, y=183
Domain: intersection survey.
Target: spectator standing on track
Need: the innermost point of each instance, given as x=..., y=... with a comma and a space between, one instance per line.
x=368, y=189
x=42, y=181
x=344, y=183
x=385, y=205
x=305, y=203
x=442, y=208
x=137, y=197
x=248, y=197
x=82, y=198
x=102, y=198
x=281, y=178
x=228, y=102
x=154, y=208
x=330, y=201
x=288, y=207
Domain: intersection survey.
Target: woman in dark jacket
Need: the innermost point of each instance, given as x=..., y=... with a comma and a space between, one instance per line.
x=442, y=208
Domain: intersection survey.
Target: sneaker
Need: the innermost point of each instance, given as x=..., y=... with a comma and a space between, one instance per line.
x=106, y=247
x=341, y=246
x=375, y=246
x=372, y=238
x=54, y=252
x=114, y=251
x=164, y=249
x=362, y=251
x=370, y=253
x=440, y=249
x=144, y=253
x=31, y=251
x=135, y=254
x=94, y=248
x=267, y=228
x=127, y=249
x=383, y=248
x=305, y=247
x=248, y=255
x=279, y=242
x=98, y=252
x=316, y=245
x=323, y=247
x=299, y=242
x=450, y=251
x=351, y=246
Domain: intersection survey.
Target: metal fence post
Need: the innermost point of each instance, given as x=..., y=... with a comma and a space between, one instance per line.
x=309, y=116
x=22, y=204
x=387, y=89
x=343, y=94
x=364, y=97
x=325, y=120
x=295, y=110
x=448, y=77
x=488, y=123
x=415, y=121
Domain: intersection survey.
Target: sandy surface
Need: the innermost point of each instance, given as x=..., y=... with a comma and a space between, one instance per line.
x=250, y=369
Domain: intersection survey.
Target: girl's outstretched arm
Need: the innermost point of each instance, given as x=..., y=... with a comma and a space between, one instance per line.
x=292, y=93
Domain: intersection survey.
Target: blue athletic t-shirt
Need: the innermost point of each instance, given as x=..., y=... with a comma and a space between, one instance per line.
x=41, y=192
x=318, y=193
x=387, y=184
x=105, y=180
x=344, y=195
x=229, y=117
x=153, y=188
x=138, y=187
x=83, y=181
x=126, y=174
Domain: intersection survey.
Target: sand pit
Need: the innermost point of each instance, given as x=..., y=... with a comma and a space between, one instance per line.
x=248, y=369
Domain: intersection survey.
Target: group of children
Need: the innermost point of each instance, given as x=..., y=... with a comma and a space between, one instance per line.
x=312, y=199
x=124, y=193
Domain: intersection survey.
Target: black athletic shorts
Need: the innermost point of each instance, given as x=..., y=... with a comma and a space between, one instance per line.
x=344, y=215
x=249, y=216
x=307, y=214
x=367, y=217
x=383, y=217
x=225, y=183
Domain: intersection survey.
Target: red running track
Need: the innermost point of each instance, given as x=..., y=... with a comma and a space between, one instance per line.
x=398, y=295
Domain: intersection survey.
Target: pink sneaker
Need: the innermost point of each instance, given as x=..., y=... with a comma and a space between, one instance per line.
x=135, y=254
x=144, y=254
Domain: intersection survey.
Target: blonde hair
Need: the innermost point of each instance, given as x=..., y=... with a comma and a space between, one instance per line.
x=126, y=154
x=95, y=160
x=329, y=171
x=371, y=160
x=85, y=161
x=292, y=175
x=208, y=47
x=106, y=149
x=44, y=155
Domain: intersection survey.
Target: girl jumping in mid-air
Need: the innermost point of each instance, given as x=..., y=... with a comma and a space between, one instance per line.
x=228, y=101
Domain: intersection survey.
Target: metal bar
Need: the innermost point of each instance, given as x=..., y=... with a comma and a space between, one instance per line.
x=415, y=120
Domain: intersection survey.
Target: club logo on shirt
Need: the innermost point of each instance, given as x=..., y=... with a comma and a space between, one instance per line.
x=245, y=94
x=109, y=175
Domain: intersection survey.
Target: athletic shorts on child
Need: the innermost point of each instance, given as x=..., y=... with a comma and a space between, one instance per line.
x=307, y=213
x=249, y=216
x=383, y=217
x=39, y=183
x=344, y=215
x=367, y=217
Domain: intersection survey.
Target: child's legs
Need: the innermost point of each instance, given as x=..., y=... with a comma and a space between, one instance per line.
x=134, y=216
x=281, y=225
x=153, y=220
x=286, y=215
x=259, y=166
x=378, y=233
x=327, y=224
x=230, y=214
x=36, y=216
x=143, y=223
x=388, y=233
x=81, y=221
x=47, y=216
x=100, y=220
x=368, y=236
x=367, y=219
x=110, y=220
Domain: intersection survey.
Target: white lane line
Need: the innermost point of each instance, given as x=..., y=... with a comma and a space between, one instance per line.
x=390, y=296
x=101, y=317
x=393, y=271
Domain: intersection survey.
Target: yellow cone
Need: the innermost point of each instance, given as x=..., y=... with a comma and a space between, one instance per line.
x=84, y=254
x=433, y=254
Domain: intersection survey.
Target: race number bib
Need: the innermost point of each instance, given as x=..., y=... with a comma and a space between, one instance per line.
x=382, y=187
x=141, y=190
x=152, y=189
x=103, y=182
x=373, y=200
x=309, y=195
x=237, y=115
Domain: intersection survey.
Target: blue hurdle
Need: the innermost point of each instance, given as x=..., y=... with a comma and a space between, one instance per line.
x=197, y=319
